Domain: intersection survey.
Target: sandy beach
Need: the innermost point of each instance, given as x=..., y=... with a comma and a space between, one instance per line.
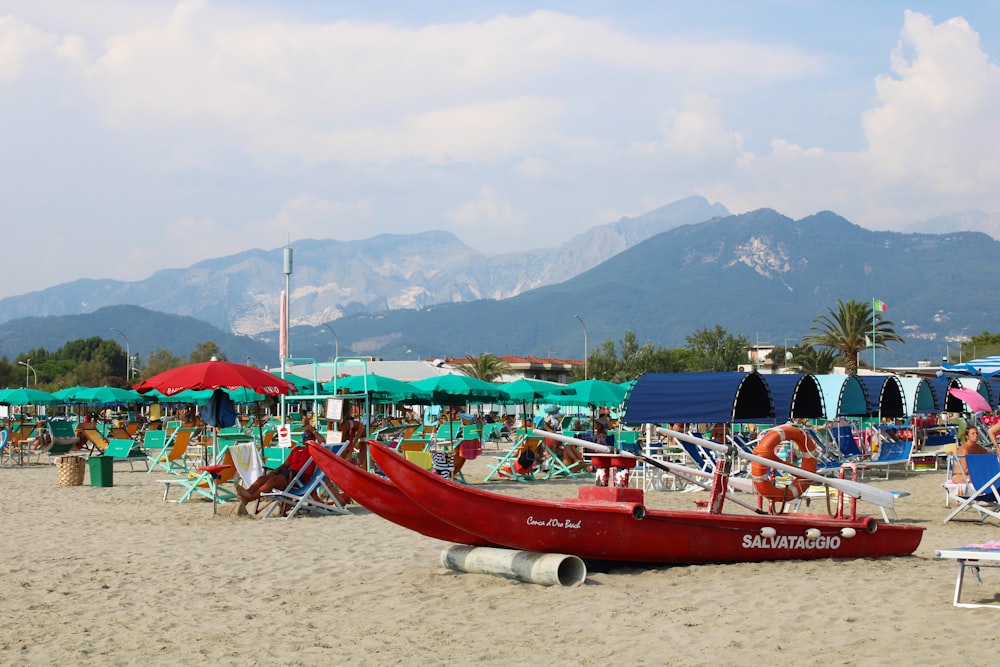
x=117, y=576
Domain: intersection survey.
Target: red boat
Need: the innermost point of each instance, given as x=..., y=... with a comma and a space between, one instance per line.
x=613, y=524
x=382, y=498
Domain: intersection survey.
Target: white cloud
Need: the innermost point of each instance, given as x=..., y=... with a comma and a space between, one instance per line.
x=489, y=212
x=237, y=125
x=21, y=43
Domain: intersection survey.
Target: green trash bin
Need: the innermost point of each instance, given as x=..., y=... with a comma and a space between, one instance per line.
x=101, y=470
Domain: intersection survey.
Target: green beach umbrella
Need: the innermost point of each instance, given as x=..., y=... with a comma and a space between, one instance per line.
x=590, y=392
x=106, y=396
x=460, y=390
x=28, y=396
x=379, y=388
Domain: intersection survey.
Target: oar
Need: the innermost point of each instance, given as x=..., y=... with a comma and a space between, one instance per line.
x=586, y=444
x=869, y=494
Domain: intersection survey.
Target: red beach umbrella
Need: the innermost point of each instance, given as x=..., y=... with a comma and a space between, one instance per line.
x=216, y=375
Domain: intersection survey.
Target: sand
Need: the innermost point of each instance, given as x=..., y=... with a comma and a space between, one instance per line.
x=115, y=576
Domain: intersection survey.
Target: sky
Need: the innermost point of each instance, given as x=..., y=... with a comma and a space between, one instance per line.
x=140, y=135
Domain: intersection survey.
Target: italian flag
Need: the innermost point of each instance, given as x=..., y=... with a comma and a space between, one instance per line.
x=880, y=305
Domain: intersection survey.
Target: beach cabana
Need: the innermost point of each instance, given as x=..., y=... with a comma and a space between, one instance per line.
x=885, y=396
x=843, y=396
x=795, y=396
x=918, y=396
x=939, y=387
x=663, y=398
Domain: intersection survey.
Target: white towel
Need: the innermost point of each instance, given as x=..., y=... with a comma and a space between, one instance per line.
x=248, y=463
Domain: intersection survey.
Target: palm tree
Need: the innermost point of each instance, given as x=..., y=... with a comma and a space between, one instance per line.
x=816, y=362
x=486, y=366
x=848, y=330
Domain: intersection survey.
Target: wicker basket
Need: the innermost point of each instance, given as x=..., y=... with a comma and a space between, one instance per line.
x=71, y=469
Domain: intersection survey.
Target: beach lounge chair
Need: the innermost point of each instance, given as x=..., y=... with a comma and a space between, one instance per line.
x=701, y=458
x=515, y=463
x=890, y=453
x=4, y=440
x=61, y=439
x=420, y=458
x=171, y=455
x=491, y=432
x=128, y=450
x=984, y=480
x=308, y=491
x=95, y=439
x=211, y=481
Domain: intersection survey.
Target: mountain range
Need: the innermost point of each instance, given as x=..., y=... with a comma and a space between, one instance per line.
x=330, y=279
x=761, y=274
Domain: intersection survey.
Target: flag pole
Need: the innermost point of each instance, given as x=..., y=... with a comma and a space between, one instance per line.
x=873, y=335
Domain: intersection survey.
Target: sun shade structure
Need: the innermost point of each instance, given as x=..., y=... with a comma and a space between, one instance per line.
x=918, y=395
x=884, y=394
x=28, y=396
x=216, y=375
x=531, y=389
x=460, y=390
x=795, y=396
x=105, y=396
x=843, y=396
x=985, y=367
x=379, y=388
x=660, y=398
x=590, y=392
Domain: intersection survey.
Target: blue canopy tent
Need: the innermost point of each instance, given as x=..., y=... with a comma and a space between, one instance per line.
x=885, y=396
x=795, y=396
x=994, y=386
x=918, y=396
x=939, y=386
x=662, y=398
x=843, y=396
x=985, y=367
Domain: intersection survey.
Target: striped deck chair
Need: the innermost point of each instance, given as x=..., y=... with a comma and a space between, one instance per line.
x=211, y=481
x=126, y=449
x=521, y=462
x=169, y=453
x=308, y=491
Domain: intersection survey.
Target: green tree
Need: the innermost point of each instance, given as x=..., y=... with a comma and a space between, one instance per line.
x=630, y=360
x=158, y=361
x=985, y=344
x=486, y=366
x=848, y=330
x=811, y=360
x=205, y=350
x=717, y=350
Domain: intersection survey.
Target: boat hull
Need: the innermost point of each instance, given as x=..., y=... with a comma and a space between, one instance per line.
x=381, y=497
x=629, y=532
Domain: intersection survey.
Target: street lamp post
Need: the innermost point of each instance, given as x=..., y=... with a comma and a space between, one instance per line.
x=586, y=375
x=128, y=355
x=28, y=367
x=336, y=341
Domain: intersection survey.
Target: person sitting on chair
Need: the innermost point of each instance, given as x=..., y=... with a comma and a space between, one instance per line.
x=970, y=446
x=280, y=476
x=352, y=434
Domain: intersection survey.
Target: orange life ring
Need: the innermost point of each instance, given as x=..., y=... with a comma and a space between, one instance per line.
x=761, y=474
